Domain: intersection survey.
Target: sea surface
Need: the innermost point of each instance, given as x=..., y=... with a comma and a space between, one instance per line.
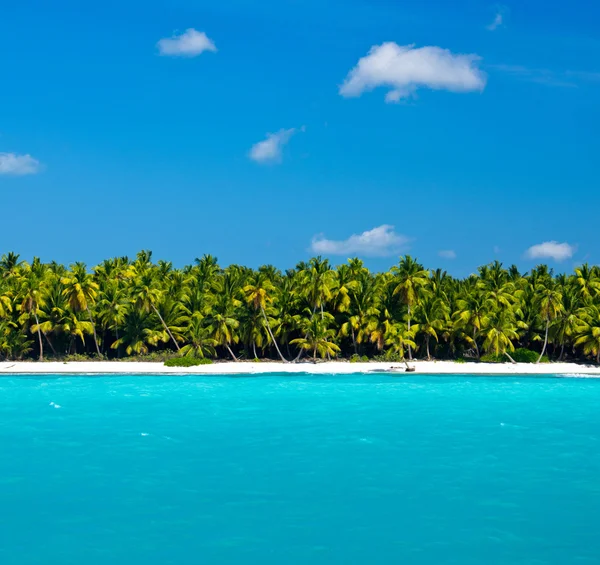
x=299, y=470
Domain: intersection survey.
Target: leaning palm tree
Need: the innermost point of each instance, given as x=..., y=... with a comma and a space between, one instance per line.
x=499, y=333
x=258, y=295
x=550, y=307
x=146, y=294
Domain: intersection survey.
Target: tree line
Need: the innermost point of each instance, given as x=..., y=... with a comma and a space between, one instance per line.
x=134, y=307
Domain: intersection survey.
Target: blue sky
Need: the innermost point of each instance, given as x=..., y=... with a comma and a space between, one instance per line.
x=108, y=146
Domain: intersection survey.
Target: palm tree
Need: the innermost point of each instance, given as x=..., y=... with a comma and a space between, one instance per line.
x=412, y=278
x=471, y=313
x=258, y=295
x=318, y=336
x=31, y=295
x=81, y=291
x=588, y=332
x=399, y=338
x=137, y=333
x=550, y=307
x=145, y=296
x=432, y=316
x=9, y=264
x=587, y=281
x=499, y=333
x=200, y=344
x=112, y=308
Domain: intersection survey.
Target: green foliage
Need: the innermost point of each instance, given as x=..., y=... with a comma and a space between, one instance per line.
x=141, y=310
x=522, y=355
x=493, y=358
x=186, y=362
x=153, y=357
x=82, y=357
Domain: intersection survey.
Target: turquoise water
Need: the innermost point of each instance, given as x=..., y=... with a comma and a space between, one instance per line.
x=299, y=470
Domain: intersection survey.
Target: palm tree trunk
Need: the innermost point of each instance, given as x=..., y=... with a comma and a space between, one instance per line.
x=475, y=342
x=254, y=350
x=50, y=343
x=272, y=336
x=562, y=351
x=354, y=340
x=167, y=328
x=94, y=330
x=409, y=348
x=39, y=332
x=545, y=341
x=231, y=352
x=427, y=347
x=511, y=359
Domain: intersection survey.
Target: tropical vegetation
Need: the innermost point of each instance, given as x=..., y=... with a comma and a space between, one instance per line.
x=124, y=308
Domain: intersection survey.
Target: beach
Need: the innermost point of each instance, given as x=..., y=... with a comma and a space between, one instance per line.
x=268, y=367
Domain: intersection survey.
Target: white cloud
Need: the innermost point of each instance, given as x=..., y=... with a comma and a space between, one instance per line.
x=13, y=164
x=497, y=249
x=378, y=242
x=498, y=21
x=269, y=150
x=551, y=250
x=404, y=69
x=447, y=254
x=189, y=44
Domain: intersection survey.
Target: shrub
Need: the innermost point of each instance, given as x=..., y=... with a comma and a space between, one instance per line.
x=493, y=358
x=460, y=360
x=520, y=355
x=186, y=362
x=154, y=357
x=523, y=355
x=364, y=359
x=74, y=357
x=355, y=358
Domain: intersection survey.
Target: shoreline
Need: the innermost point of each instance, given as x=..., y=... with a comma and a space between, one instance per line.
x=276, y=367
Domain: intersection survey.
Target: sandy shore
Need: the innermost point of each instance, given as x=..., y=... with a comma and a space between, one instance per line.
x=341, y=368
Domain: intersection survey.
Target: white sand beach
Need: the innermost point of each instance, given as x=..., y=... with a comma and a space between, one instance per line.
x=265, y=368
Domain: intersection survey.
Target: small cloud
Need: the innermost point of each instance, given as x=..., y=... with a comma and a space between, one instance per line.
x=499, y=18
x=270, y=150
x=378, y=242
x=18, y=165
x=497, y=249
x=447, y=254
x=404, y=69
x=551, y=250
x=547, y=77
x=189, y=44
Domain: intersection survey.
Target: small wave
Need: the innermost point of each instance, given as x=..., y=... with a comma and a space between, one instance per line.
x=143, y=434
x=54, y=405
x=579, y=376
